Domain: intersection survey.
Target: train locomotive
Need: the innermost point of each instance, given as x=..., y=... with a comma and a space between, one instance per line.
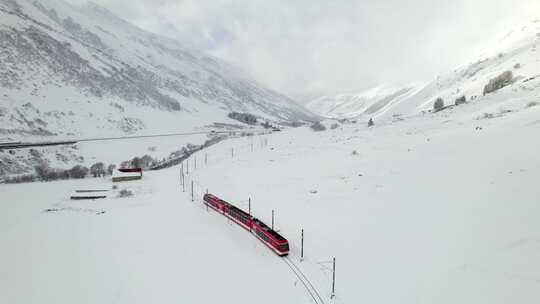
x=265, y=234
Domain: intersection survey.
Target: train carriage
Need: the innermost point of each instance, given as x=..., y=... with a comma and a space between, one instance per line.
x=241, y=217
x=216, y=203
x=270, y=237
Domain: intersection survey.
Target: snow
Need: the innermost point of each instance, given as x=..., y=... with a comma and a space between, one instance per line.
x=153, y=247
x=435, y=208
x=126, y=174
x=419, y=208
x=355, y=104
x=103, y=77
x=518, y=46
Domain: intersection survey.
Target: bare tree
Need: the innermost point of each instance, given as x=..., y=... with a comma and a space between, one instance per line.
x=498, y=82
x=461, y=100
x=136, y=162
x=438, y=104
x=110, y=169
x=318, y=126
x=41, y=170
x=78, y=171
x=97, y=169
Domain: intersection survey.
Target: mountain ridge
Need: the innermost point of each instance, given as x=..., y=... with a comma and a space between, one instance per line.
x=80, y=55
x=516, y=52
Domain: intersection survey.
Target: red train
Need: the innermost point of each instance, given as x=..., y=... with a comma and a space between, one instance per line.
x=269, y=237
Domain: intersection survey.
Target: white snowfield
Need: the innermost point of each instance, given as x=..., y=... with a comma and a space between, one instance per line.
x=435, y=208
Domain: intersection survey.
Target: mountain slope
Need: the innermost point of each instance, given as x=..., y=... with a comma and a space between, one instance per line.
x=516, y=52
x=69, y=70
x=352, y=105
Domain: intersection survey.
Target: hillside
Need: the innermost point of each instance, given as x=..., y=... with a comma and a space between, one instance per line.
x=364, y=103
x=79, y=70
x=516, y=52
x=71, y=72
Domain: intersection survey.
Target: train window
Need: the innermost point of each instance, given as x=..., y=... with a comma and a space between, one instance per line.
x=263, y=236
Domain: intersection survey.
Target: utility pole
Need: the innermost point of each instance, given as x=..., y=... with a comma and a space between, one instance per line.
x=183, y=183
x=249, y=211
x=272, y=219
x=251, y=147
x=195, y=159
x=192, y=190
x=187, y=165
x=333, y=279
x=302, y=247
x=232, y=152
x=205, y=158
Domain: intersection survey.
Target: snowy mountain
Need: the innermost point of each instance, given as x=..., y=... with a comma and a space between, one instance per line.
x=517, y=51
x=352, y=105
x=79, y=70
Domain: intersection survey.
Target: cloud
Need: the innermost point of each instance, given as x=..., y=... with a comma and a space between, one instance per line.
x=302, y=46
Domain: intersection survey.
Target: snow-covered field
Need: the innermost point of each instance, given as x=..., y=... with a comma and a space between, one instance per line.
x=155, y=246
x=436, y=208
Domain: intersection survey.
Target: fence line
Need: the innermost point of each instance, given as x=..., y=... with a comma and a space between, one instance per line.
x=187, y=173
x=211, y=158
x=197, y=191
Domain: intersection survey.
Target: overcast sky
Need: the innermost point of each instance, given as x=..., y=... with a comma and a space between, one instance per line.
x=302, y=47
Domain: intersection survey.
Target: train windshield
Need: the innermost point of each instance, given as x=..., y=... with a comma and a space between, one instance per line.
x=284, y=247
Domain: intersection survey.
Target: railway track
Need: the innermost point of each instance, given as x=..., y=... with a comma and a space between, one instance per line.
x=311, y=290
x=19, y=145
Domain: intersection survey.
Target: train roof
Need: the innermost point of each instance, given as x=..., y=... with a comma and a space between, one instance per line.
x=215, y=197
x=272, y=232
x=209, y=194
x=233, y=207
